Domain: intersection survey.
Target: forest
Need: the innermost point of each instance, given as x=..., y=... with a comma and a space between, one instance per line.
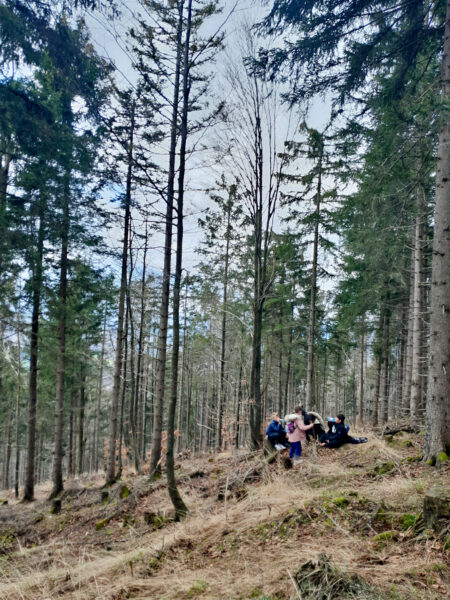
x=212, y=211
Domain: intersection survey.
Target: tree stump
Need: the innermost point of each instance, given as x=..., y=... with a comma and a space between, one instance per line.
x=436, y=507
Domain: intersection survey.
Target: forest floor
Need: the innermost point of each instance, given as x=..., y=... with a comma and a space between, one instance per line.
x=345, y=524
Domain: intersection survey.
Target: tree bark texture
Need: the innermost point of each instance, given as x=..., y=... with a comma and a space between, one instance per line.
x=34, y=353
x=437, y=432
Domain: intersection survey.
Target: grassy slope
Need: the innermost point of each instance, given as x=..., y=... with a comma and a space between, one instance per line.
x=250, y=545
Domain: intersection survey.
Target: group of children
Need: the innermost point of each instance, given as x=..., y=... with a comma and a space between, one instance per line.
x=295, y=428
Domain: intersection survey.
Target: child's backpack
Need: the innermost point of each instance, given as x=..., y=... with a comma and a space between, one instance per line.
x=291, y=427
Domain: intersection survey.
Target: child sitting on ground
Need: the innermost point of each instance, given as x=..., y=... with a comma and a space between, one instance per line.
x=275, y=433
x=338, y=434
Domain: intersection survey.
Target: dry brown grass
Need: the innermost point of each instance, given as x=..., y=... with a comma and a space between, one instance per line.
x=218, y=553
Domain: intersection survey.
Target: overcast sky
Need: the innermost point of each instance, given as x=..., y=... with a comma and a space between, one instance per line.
x=110, y=38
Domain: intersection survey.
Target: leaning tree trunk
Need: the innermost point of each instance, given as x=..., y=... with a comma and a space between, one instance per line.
x=155, y=458
x=111, y=464
x=437, y=432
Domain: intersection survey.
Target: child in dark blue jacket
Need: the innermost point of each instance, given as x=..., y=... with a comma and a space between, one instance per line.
x=276, y=434
x=338, y=434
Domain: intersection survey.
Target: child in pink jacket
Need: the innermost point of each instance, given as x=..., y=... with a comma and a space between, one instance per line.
x=298, y=435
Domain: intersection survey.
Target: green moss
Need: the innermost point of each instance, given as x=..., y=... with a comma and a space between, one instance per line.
x=408, y=520
x=406, y=444
x=256, y=593
x=124, y=492
x=442, y=458
x=447, y=543
x=431, y=461
x=385, y=536
x=341, y=501
x=102, y=524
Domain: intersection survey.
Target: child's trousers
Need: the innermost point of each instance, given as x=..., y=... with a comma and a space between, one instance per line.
x=296, y=449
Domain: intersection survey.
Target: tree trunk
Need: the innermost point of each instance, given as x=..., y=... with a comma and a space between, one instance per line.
x=99, y=397
x=71, y=465
x=280, y=366
x=177, y=501
x=409, y=344
x=312, y=306
x=401, y=366
x=81, y=411
x=111, y=464
x=418, y=309
x=133, y=409
x=140, y=357
x=437, y=432
x=361, y=377
x=57, y=476
x=123, y=396
x=18, y=401
x=183, y=376
x=34, y=353
x=386, y=361
x=222, y=396
x=7, y=451
x=379, y=361
x=155, y=459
